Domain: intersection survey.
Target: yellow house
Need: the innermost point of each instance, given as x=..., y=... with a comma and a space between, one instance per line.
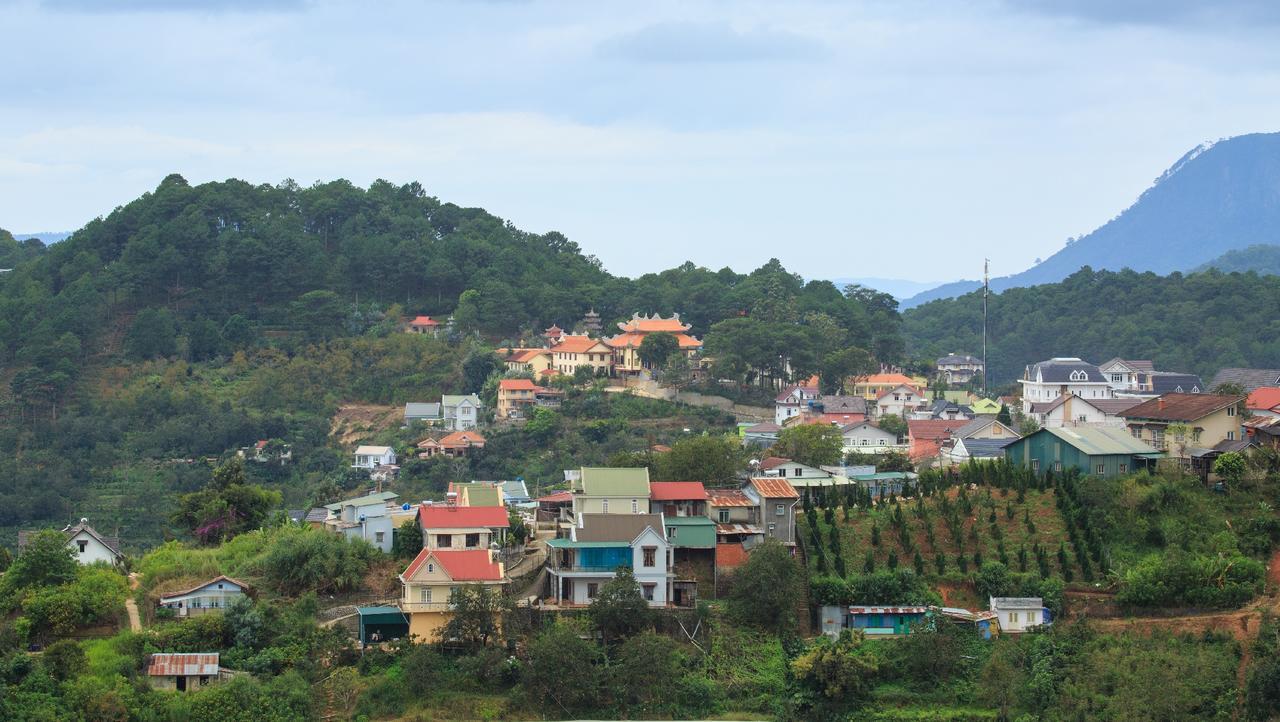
x=430, y=579
x=870, y=387
x=611, y=491
x=574, y=351
x=1199, y=421
x=626, y=345
x=529, y=360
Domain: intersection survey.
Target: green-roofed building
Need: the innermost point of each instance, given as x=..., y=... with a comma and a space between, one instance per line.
x=477, y=493
x=1094, y=450
x=693, y=551
x=985, y=407
x=691, y=532
x=381, y=497
x=600, y=490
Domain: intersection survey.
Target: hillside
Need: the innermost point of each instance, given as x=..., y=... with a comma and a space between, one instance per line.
x=1261, y=259
x=1218, y=197
x=1197, y=323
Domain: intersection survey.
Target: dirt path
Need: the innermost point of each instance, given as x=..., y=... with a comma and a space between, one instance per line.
x=131, y=606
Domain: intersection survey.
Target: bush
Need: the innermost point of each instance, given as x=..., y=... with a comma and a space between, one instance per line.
x=1175, y=578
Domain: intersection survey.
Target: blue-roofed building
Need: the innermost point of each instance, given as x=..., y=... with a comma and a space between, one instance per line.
x=977, y=449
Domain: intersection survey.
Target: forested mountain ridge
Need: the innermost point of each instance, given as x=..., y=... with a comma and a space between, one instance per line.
x=1260, y=258
x=1197, y=322
x=1216, y=198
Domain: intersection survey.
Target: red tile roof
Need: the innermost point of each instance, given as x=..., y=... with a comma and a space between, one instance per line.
x=909, y=387
x=933, y=429
x=445, y=516
x=462, y=565
x=424, y=321
x=517, y=385
x=1263, y=398
x=676, y=490
x=654, y=324
x=773, y=462
x=462, y=439
x=578, y=344
x=879, y=379
x=774, y=487
x=730, y=555
x=560, y=497
x=1180, y=407
x=624, y=340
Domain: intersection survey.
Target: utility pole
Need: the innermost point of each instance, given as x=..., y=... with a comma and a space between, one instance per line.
x=986, y=287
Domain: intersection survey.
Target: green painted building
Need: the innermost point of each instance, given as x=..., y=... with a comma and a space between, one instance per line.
x=1095, y=451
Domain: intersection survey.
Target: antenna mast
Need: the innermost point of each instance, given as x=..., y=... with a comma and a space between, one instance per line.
x=986, y=287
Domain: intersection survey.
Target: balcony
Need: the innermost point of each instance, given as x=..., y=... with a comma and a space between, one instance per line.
x=605, y=569
x=426, y=606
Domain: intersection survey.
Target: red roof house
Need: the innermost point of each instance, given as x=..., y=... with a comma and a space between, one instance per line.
x=462, y=565
x=446, y=516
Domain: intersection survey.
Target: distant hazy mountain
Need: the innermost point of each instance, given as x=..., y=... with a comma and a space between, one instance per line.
x=896, y=287
x=46, y=237
x=1259, y=259
x=1217, y=198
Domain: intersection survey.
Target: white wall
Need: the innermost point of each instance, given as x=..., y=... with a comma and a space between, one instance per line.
x=94, y=550
x=657, y=574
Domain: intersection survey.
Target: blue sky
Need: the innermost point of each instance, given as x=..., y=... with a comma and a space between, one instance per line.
x=895, y=139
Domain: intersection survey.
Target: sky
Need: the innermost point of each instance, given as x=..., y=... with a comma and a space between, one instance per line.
x=895, y=139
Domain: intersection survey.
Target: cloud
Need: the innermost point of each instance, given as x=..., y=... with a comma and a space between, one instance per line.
x=683, y=42
x=1157, y=12
x=144, y=6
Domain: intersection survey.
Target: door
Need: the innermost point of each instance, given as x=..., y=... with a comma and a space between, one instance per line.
x=181, y=682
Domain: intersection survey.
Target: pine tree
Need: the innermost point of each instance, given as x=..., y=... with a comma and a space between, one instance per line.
x=869, y=566
x=1022, y=558
x=963, y=562
x=940, y=561
x=893, y=559
x=918, y=563
x=1008, y=511
x=875, y=535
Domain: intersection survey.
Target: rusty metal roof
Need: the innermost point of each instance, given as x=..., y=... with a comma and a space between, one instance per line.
x=729, y=497
x=183, y=665
x=888, y=610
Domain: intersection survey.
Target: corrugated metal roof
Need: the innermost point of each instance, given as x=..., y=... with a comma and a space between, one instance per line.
x=774, y=488
x=599, y=481
x=728, y=498
x=183, y=665
x=618, y=527
x=1100, y=441
x=888, y=610
x=1181, y=407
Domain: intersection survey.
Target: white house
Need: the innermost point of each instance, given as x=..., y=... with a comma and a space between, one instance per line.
x=1071, y=410
x=1047, y=380
x=461, y=411
x=86, y=543
x=371, y=457
x=791, y=470
x=365, y=517
x=901, y=400
x=214, y=595
x=792, y=402
x=580, y=565
x=1018, y=614
x=959, y=368
x=865, y=437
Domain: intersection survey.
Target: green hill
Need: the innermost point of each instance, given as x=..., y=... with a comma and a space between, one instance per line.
x=1261, y=259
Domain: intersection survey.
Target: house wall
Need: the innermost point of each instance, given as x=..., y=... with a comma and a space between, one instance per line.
x=615, y=504
x=458, y=538
x=1036, y=391
x=870, y=440
x=1074, y=413
x=426, y=626
x=1053, y=453
x=737, y=514
x=1214, y=428
x=656, y=574
x=369, y=530
x=94, y=550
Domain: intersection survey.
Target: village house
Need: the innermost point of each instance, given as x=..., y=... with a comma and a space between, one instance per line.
x=266, y=450
x=428, y=583
x=865, y=437
x=1246, y=379
x=626, y=345
x=214, y=595
x=518, y=397
x=737, y=517
x=985, y=428
x=946, y=410
x=475, y=493
x=693, y=556
x=575, y=351
x=791, y=470
x=761, y=435
x=184, y=672
x=366, y=517
x=371, y=457
x=423, y=325
x=449, y=526
x=872, y=386
x=461, y=411
x=976, y=449
x=959, y=369
x=1047, y=380
x=676, y=499
x=580, y=565
x=422, y=412
x=1263, y=431
x=87, y=545
x=901, y=400
x=455, y=446
x=777, y=501
x=1071, y=410
x=533, y=361
x=1099, y=451
x=1126, y=375
x=1198, y=421
x=927, y=438
x=600, y=490
x=1020, y=614
x=794, y=400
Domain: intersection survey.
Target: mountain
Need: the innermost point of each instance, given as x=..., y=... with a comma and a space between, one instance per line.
x=897, y=287
x=45, y=237
x=1260, y=259
x=1217, y=198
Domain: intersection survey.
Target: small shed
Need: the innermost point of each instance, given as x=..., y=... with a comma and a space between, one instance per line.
x=184, y=672
x=381, y=624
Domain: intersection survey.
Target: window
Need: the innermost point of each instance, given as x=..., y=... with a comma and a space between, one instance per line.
x=1124, y=468
x=444, y=541
x=83, y=543
x=650, y=556
x=648, y=591
x=1117, y=378
x=635, y=506
x=1137, y=432
x=1057, y=466
x=1231, y=411
x=424, y=595
x=1100, y=469
x=604, y=506
x=724, y=516
x=1082, y=418
x=1231, y=436
x=1013, y=617
x=592, y=588
x=795, y=471
x=1035, y=465
x=780, y=510
x=431, y=568
x=379, y=536
x=671, y=532
x=473, y=541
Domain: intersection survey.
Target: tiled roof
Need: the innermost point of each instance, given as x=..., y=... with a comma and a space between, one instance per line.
x=908, y=387
x=318, y=513
x=728, y=497
x=627, y=340
x=183, y=665
x=1062, y=370
x=651, y=324
x=785, y=396
x=577, y=344
x=768, y=427
x=1248, y=379
x=462, y=565
x=1263, y=398
x=422, y=410
x=444, y=516
x=1168, y=382
x=424, y=321
x=842, y=404
x=1142, y=366
x=517, y=385
x=676, y=490
x=773, y=462
x=881, y=379
x=202, y=585
x=730, y=555
x=462, y=439
x=365, y=450
x=617, y=527
x=366, y=500
x=934, y=429
x=1181, y=407
x=986, y=448
x=560, y=497
x=1113, y=407
x=771, y=487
